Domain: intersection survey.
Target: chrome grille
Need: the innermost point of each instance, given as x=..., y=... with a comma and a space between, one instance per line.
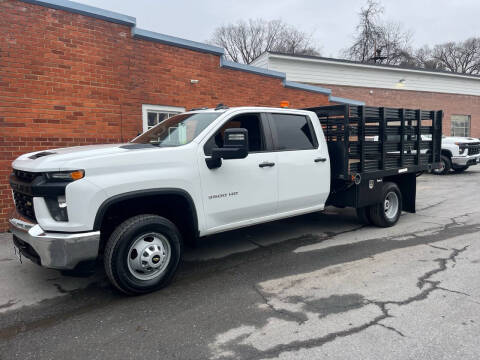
x=473, y=149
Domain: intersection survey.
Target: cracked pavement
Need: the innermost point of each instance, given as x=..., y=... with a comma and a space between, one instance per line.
x=315, y=286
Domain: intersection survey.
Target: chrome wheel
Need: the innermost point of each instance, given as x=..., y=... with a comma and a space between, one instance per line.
x=390, y=205
x=149, y=256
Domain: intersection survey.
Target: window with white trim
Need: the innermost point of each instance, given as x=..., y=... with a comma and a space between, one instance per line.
x=460, y=125
x=155, y=114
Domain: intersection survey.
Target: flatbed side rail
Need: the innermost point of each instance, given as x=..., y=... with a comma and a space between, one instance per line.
x=373, y=142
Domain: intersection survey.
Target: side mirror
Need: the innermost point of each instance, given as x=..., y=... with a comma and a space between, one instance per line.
x=235, y=146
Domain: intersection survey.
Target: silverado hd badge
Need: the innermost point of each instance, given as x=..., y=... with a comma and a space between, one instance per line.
x=224, y=195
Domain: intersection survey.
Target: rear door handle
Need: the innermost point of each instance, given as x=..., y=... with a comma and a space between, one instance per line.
x=320, y=159
x=266, y=164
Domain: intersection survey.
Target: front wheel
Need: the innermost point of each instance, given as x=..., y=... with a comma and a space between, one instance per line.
x=142, y=254
x=387, y=212
x=445, y=166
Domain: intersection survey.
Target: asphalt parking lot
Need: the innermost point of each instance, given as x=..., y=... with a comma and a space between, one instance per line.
x=316, y=286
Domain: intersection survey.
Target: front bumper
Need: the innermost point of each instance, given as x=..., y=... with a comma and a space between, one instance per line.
x=465, y=160
x=54, y=250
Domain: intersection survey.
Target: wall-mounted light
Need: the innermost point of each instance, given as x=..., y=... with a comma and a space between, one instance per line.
x=400, y=84
x=193, y=81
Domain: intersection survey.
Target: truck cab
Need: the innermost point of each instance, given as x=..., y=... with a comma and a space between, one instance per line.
x=70, y=201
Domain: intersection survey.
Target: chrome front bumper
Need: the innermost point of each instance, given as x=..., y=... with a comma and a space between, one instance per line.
x=51, y=249
x=465, y=160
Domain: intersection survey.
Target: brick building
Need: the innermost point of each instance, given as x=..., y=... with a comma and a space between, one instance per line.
x=391, y=86
x=72, y=74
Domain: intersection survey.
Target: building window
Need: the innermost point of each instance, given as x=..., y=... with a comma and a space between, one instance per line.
x=155, y=114
x=461, y=125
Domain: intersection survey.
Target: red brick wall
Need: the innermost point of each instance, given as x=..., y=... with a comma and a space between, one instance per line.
x=68, y=79
x=450, y=103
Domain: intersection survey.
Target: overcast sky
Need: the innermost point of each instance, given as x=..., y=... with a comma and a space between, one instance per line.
x=331, y=23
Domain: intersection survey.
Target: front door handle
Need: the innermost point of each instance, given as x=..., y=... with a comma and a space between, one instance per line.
x=266, y=164
x=320, y=159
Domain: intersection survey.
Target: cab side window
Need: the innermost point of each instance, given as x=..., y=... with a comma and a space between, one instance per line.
x=251, y=122
x=293, y=132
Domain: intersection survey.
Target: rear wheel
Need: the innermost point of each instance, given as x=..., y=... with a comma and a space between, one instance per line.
x=142, y=254
x=387, y=213
x=461, y=169
x=445, y=166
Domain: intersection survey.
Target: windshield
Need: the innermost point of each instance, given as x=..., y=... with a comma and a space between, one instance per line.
x=178, y=130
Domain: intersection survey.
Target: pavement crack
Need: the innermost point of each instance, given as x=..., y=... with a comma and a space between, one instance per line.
x=8, y=304
x=442, y=266
x=299, y=318
x=432, y=205
x=391, y=328
x=332, y=234
x=424, y=283
x=452, y=291
x=437, y=247
x=311, y=343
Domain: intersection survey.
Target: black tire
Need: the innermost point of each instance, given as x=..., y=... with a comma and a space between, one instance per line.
x=363, y=215
x=446, y=166
x=378, y=212
x=461, y=169
x=116, y=259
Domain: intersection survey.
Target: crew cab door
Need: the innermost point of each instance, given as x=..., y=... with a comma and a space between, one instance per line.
x=241, y=191
x=303, y=163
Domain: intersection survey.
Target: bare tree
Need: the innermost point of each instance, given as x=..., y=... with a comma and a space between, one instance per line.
x=376, y=41
x=461, y=57
x=244, y=41
x=423, y=58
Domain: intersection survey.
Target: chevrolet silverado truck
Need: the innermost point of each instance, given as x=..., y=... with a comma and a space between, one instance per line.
x=458, y=153
x=207, y=171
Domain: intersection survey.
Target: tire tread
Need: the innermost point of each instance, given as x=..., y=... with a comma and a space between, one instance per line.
x=116, y=237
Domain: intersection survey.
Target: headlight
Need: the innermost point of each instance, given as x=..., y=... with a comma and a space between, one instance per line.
x=65, y=175
x=57, y=207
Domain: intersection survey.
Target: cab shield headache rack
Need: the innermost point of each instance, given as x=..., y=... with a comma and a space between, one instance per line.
x=221, y=107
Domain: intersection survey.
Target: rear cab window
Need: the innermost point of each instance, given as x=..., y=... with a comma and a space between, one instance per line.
x=292, y=132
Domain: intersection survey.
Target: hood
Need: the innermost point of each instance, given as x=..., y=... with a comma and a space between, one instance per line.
x=454, y=139
x=58, y=159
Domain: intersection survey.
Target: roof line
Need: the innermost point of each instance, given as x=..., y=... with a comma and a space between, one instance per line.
x=384, y=66
x=252, y=69
x=341, y=100
x=87, y=10
x=176, y=41
x=272, y=73
x=306, y=87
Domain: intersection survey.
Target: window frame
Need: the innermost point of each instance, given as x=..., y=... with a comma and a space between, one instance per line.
x=469, y=128
x=264, y=128
x=146, y=108
x=274, y=134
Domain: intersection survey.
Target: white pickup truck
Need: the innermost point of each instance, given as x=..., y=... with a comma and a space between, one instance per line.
x=207, y=171
x=458, y=153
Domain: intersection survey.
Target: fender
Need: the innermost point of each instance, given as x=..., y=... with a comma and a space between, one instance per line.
x=141, y=193
x=446, y=152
